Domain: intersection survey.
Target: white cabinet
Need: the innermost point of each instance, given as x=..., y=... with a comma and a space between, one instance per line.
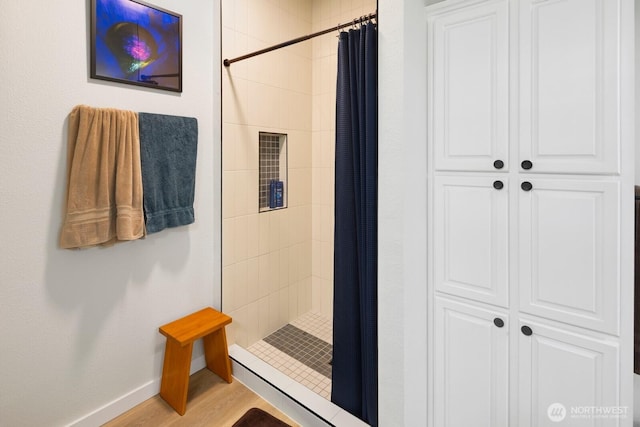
x=577, y=371
x=471, y=83
x=527, y=219
x=569, y=242
x=472, y=356
x=569, y=79
x=569, y=85
x=471, y=239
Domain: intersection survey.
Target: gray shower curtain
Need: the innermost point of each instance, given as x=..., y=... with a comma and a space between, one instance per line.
x=355, y=329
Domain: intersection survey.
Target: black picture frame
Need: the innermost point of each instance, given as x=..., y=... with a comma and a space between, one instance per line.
x=136, y=43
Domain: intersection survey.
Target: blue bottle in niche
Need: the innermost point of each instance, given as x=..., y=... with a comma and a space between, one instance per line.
x=272, y=194
x=279, y=194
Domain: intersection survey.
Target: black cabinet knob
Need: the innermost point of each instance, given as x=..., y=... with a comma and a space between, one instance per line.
x=526, y=330
x=526, y=186
x=526, y=164
x=498, y=185
x=498, y=322
x=498, y=164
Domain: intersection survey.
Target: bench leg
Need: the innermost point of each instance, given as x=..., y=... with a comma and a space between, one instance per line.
x=175, y=375
x=217, y=355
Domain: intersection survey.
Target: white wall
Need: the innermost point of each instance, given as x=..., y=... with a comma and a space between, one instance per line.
x=402, y=214
x=79, y=328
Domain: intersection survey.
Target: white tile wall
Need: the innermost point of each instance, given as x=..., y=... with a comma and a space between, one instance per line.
x=263, y=286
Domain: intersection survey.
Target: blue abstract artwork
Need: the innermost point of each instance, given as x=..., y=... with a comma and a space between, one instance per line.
x=136, y=43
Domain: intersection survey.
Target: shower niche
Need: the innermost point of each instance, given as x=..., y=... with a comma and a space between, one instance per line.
x=272, y=174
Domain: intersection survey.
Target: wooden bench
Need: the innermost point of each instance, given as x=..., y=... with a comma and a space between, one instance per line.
x=207, y=324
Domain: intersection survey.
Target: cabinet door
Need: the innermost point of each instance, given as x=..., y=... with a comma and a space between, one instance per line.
x=471, y=225
x=569, y=251
x=471, y=87
x=569, y=87
x=563, y=375
x=471, y=366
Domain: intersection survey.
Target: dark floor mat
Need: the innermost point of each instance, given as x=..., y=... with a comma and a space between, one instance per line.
x=255, y=417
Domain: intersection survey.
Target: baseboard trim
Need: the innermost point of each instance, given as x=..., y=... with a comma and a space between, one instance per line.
x=293, y=399
x=127, y=401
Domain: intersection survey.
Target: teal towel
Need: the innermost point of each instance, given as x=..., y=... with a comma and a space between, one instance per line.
x=168, y=149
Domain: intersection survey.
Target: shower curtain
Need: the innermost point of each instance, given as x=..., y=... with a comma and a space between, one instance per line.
x=355, y=353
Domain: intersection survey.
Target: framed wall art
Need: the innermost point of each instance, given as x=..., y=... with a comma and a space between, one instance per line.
x=136, y=43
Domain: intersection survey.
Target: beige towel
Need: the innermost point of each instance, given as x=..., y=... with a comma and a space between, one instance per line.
x=104, y=182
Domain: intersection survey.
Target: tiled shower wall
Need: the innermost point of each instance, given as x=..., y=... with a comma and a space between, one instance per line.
x=326, y=14
x=266, y=277
x=279, y=265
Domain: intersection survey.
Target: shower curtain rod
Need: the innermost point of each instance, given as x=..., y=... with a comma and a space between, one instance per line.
x=364, y=18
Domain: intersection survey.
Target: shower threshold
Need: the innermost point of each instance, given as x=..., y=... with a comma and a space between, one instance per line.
x=297, y=401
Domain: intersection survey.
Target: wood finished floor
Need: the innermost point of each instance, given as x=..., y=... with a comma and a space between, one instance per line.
x=211, y=402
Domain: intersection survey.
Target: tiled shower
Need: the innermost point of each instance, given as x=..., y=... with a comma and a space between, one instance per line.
x=277, y=279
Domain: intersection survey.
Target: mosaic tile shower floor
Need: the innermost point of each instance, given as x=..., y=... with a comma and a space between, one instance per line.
x=302, y=350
